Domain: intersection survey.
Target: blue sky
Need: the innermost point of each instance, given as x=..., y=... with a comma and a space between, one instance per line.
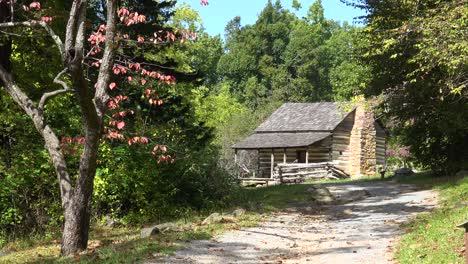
x=216, y=15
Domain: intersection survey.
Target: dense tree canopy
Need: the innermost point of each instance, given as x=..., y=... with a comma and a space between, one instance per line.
x=285, y=58
x=418, y=55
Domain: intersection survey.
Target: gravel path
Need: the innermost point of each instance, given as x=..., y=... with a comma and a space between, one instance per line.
x=358, y=232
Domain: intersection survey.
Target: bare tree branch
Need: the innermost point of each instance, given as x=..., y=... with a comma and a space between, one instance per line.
x=43, y=24
x=47, y=96
x=52, y=143
x=101, y=95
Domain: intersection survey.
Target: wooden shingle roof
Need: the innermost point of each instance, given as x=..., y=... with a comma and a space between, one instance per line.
x=296, y=125
x=296, y=117
x=280, y=140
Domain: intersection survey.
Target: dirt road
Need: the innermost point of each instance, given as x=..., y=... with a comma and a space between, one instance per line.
x=357, y=232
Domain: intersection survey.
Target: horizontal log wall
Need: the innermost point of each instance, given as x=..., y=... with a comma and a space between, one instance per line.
x=341, y=152
x=381, y=150
x=319, y=152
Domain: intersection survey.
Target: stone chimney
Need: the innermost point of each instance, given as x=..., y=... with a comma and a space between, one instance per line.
x=363, y=144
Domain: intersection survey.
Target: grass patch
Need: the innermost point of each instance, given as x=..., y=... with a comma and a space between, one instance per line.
x=122, y=245
x=273, y=198
x=433, y=238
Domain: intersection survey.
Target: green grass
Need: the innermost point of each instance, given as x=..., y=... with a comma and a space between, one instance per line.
x=272, y=198
x=123, y=245
x=433, y=238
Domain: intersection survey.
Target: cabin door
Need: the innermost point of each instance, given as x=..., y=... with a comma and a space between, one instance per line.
x=301, y=156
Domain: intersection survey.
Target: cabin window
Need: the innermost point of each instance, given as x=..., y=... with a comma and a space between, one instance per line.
x=341, y=152
x=301, y=156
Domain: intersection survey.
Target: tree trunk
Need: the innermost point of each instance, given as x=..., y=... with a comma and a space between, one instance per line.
x=76, y=197
x=76, y=228
x=78, y=207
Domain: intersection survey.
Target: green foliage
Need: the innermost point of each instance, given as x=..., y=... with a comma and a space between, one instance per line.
x=139, y=192
x=418, y=53
x=284, y=58
x=28, y=187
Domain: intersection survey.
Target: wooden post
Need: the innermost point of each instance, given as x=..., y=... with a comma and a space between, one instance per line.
x=307, y=155
x=280, y=172
x=284, y=155
x=235, y=164
x=272, y=162
x=235, y=156
x=258, y=163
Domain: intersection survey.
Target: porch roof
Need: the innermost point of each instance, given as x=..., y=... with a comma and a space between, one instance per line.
x=280, y=140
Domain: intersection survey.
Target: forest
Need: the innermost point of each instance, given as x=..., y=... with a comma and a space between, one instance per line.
x=174, y=99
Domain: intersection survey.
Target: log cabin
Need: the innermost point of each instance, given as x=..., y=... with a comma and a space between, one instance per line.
x=349, y=137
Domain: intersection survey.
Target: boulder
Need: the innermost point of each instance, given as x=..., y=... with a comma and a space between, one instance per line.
x=228, y=219
x=157, y=229
x=403, y=172
x=321, y=195
x=110, y=222
x=212, y=218
x=218, y=218
x=238, y=212
x=4, y=252
x=462, y=173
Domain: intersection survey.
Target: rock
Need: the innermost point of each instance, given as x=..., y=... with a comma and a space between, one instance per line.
x=238, y=212
x=212, y=218
x=462, y=173
x=157, y=229
x=218, y=218
x=321, y=195
x=403, y=172
x=228, y=219
x=110, y=222
x=461, y=205
x=4, y=252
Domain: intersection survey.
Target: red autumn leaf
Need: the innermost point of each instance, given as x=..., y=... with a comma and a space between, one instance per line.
x=35, y=6
x=120, y=125
x=112, y=85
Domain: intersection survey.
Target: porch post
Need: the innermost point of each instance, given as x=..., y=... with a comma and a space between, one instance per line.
x=235, y=156
x=272, y=162
x=258, y=163
x=307, y=155
x=284, y=155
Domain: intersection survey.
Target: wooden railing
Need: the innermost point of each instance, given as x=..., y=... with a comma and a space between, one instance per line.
x=298, y=172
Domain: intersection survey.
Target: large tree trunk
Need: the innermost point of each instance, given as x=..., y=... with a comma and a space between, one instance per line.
x=77, y=212
x=93, y=106
x=76, y=197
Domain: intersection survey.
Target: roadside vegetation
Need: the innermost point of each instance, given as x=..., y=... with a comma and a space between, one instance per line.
x=124, y=245
x=433, y=237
